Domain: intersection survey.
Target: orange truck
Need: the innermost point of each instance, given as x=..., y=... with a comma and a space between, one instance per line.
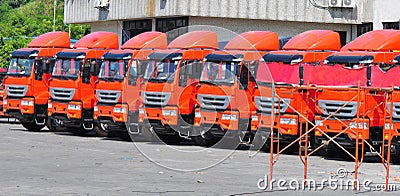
x=293, y=105
x=171, y=80
x=26, y=84
x=73, y=79
x=351, y=100
x=226, y=86
x=118, y=86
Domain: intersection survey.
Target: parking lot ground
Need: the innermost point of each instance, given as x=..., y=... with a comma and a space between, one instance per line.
x=47, y=163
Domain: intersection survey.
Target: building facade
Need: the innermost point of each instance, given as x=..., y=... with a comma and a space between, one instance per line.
x=128, y=18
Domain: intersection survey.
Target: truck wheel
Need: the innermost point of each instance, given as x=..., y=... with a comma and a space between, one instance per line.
x=78, y=131
x=32, y=126
x=101, y=131
x=169, y=139
x=51, y=125
x=394, y=154
x=203, y=141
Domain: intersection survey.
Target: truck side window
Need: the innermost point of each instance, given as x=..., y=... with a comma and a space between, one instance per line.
x=196, y=69
x=94, y=67
x=86, y=72
x=38, y=69
x=133, y=73
x=141, y=67
x=253, y=66
x=184, y=72
x=48, y=65
x=244, y=76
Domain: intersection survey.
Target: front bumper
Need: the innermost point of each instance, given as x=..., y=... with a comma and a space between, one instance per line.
x=227, y=120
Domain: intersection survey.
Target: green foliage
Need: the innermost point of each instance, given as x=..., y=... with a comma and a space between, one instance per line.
x=21, y=20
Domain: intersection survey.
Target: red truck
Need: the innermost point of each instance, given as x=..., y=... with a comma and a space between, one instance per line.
x=171, y=80
x=282, y=75
x=73, y=79
x=351, y=100
x=26, y=84
x=226, y=87
x=119, y=83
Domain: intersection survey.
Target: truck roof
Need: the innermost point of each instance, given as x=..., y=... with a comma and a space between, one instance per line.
x=229, y=55
x=98, y=40
x=57, y=39
x=379, y=40
x=314, y=40
x=147, y=40
x=254, y=40
x=195, y=40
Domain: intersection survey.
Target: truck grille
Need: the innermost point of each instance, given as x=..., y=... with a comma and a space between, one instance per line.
x=264, y=104
x=156, y=98
x=396, y=110
x=16, y=90
x=62, y=94
x=329, y=107
x=107, y=96
x=214, y=102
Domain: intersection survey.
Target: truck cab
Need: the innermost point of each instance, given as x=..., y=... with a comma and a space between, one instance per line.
x=170, y=84
x=26, y=84
x=226, y=87
x=280, y=79
x=72, y=82
x=351, y=103
x=119, y=83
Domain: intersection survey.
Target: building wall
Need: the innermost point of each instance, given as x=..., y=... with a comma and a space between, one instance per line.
x=387, y=11
x=111, y=26
x=83, y=11
x=283, y=28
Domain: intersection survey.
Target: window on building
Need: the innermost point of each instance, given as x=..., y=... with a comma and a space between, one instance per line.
x=135, y=27
x=363, y=28
x=391, y=25
x=168, y=24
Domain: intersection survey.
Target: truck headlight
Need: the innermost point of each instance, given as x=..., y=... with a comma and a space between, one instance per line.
x=254, y=118
x=95, y=108
x=197, y=114
x=74, y=107
x=388, y=126
x=26, y=103
x=119, y=110
x=5, y=102
x=361, y=125
x=141, y=111
x=168, y=112
x=229, y=117
x=319, y=123
x=49, y=105
x=288, y=121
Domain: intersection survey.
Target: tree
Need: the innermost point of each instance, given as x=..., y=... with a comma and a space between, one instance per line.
x=21, y=20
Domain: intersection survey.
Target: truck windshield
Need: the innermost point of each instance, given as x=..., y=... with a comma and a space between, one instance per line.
x=113, y=69
x=160, y=71
x=216, y=73
x=20, y=66
x=67, y=68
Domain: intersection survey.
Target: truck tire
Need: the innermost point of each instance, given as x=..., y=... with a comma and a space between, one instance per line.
x=78, y=131
x=169, y=139
x=50, y=125
x=204, y=141
x=32, y=126
x=101, y=132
